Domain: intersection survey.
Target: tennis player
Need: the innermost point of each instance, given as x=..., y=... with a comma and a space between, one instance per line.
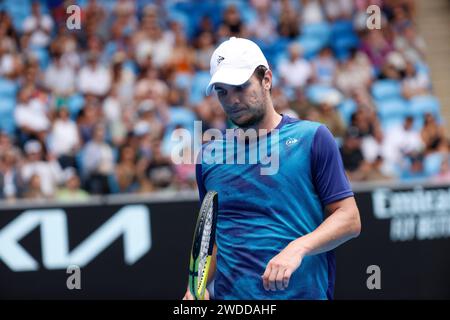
x=275, y=233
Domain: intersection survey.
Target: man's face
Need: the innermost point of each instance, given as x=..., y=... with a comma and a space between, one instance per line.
x=245, y=104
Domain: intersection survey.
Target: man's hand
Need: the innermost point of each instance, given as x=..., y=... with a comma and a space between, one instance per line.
x=188, y=295
x=280, y=268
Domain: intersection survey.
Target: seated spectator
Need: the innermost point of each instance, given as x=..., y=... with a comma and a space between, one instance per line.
x=147, y=113
x=11, y=63
x=414, y=83
x=281, y=103
x=64, y=138
x=71, y=190
x=433, y=135
x=288, y=20
x=324, y=67
x=410, y=44
x=93, y=78
x=153, y=42
x=204, y=50
x=393, y=67
x=311, y=12
x=365, y=120
x=296, y=71
x=403, y=141
x=376, y=47
x=160, y=169
x=354, y=74
x=376, y=171
x=415, y=171
x=60, y=78
x=352, y=156
x=65, y=44
x=373, y=146
x=123, y=79
x=211, y=113
x=338, y=9
x=232, y=24
x=39, y=26
x=329, y=116
x=126, y=171
x=88, y=119
x=48, y=171
x=98, y=162
x=185, y=171
x=11, y=183
x=182, y=56
x=34, y=188
x=263, y=28
x=31, y=114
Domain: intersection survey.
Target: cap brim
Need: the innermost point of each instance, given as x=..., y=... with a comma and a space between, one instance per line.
x=230, y=76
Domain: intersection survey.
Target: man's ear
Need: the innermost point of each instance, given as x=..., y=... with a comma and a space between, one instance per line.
x=267, y=80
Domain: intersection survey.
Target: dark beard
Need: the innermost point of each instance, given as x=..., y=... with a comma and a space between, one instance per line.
x=254, y=120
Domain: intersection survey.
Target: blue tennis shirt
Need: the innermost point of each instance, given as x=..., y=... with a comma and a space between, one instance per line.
x=259, y=215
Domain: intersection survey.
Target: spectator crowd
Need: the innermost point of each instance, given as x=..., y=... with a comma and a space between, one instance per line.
x=91, y=110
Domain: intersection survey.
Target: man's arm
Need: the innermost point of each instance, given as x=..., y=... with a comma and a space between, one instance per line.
x=342, y=224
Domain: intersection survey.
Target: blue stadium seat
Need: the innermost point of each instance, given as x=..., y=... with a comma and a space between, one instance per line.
x=386, y=89
x=198, y=85
x=342, y=27
x=392, y=107
x=75, y=104
x=392, y=112
x=346, y=108
x=420, y=105
x=181, y=116
x=343, y=43
x=8, y=88
x=7, y=103
x=183, y=81
x=43, y=57
x=320, y=30
x=432, y=163
x=315, y=92
x=311, y=46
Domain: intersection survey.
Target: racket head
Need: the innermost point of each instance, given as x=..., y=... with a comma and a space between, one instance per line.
x=203, y=245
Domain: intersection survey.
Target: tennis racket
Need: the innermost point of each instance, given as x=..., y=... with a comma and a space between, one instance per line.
x=202, y=245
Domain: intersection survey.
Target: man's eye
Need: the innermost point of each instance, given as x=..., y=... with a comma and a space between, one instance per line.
x=221, y=92
x=242, y=87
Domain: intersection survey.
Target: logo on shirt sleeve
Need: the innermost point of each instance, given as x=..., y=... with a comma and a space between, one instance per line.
x=291, y=141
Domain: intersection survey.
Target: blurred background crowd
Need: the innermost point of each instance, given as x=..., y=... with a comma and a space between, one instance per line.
x=90, y=111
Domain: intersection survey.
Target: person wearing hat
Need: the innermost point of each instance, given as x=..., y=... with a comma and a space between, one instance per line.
x=71, y=190
x=49, y=172
x=275, y=233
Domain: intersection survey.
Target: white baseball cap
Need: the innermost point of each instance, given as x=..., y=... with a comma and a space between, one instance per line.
x=234, y=61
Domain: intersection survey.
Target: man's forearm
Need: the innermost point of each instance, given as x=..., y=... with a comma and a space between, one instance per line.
x=338, y=228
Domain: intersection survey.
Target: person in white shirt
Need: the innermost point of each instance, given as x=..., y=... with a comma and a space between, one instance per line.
x=98, y=162
x=49, y=172
x=264, y=26
x=296, y=71
x=64, y=138
x=60, y=78
x=94, y=78
x=401, y=141
x=39, y=25
x=30, y=114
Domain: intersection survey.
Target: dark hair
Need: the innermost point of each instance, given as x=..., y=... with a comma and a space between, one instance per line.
x=260, y=72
